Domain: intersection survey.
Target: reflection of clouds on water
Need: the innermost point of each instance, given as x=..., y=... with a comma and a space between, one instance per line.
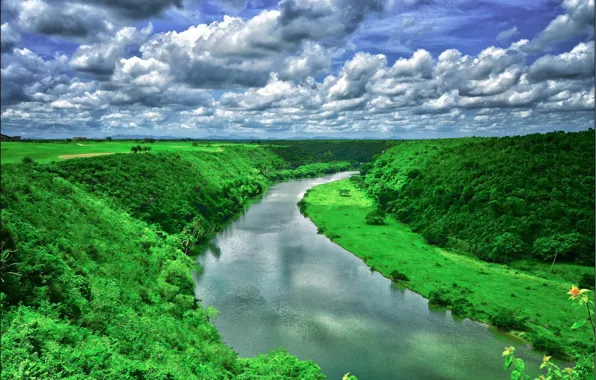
x=278, y=283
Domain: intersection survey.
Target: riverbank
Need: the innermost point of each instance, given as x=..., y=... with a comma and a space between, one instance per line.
x=536, y=308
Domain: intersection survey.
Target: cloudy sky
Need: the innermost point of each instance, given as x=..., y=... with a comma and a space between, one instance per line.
x=350, y=68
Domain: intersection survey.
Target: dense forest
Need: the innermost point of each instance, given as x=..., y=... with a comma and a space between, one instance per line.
x=301, y=152
x=501, y=199
x=95, y=282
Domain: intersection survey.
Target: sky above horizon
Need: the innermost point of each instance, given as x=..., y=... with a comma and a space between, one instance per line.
x=267, y=68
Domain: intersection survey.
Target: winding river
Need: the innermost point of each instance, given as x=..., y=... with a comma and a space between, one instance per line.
x=276, y=282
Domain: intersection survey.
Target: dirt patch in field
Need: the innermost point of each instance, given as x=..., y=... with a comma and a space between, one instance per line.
x=68, y=156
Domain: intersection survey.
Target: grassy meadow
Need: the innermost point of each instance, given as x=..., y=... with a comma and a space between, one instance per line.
x=468, y=286
x=45, y=152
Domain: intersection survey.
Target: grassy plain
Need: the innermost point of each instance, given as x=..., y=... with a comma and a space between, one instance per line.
x=473, y=288
x=44, y=152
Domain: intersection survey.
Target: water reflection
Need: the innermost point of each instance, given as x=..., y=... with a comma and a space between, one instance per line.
x=278, y=283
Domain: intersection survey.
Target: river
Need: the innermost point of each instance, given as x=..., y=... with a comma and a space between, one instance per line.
x=276, y=282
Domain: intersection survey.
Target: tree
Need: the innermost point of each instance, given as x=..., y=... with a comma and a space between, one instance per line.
x=506, y=246
x=558, y=244
x=136, y=149
x=6, y=263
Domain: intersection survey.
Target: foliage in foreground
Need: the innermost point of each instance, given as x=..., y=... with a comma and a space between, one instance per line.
x=584, y=367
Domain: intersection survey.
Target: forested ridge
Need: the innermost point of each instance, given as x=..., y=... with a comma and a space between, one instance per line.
x=300, y=152
x=501, y=199
x=95, y=279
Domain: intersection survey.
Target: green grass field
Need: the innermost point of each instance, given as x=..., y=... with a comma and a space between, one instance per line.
x=477, y=289
x=13, y=152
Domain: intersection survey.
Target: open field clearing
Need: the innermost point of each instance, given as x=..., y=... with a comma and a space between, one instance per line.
x=13, y=152
x=470, y=287
x=69, y=156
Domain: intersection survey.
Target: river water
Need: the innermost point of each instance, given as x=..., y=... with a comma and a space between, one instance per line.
x=276, y=282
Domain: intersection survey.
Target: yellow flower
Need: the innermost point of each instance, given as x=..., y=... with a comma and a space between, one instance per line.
x=569, y=370
x=576, y=292
x=546, y=358
x=542, y=377
x=346, y=376
x=509, y=351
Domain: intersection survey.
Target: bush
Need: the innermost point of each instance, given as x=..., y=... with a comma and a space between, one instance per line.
x=461, y=307
x=435, y=236
x=27, y=160
x=542, y=343
x=397, y=276
x=376, y=217
x=439, y=298
x=508, y=320
x=302, y=205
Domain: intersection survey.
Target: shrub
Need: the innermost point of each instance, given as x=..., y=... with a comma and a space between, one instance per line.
x=542, y=343
x=397, y=276
x=435, y=236
x=27, y=160
x=461, y=307
x=376, y=217
x=507, y=319
x=302, y=206
x=439, y=298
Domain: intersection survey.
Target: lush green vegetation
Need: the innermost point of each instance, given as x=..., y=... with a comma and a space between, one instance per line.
x=533, y=304
x=525, y=201
x=45, y=152
x=301, y=152
x=500, y=199
x=95, y=282
x=584, y=366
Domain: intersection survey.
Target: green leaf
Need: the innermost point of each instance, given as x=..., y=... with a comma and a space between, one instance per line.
x=579, y=324
x=515, y=375
x=508, y=361
x=520, y=366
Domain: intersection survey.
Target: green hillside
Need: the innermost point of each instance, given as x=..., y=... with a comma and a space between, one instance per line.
x=95, y=280
x=505, y=209
x=501, y=199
